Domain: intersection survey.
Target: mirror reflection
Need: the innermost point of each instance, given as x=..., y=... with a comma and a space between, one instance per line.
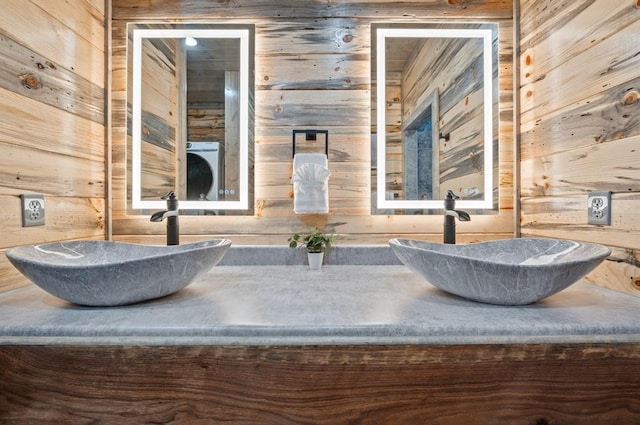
x=435, y=121
x=191, y=122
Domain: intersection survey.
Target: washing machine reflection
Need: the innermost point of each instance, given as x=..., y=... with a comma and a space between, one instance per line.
x=205, y=171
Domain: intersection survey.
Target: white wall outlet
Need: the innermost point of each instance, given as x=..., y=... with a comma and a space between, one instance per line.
x=599, y=208
x=32, y=210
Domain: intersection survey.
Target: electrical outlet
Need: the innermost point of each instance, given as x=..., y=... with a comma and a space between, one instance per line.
x=599, y=208
x=32, y=210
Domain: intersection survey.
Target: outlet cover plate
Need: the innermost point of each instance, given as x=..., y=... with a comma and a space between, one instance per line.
x=32, y=210
x=599, y=208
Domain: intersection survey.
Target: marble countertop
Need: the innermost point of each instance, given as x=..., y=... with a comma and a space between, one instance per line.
x=292, y=305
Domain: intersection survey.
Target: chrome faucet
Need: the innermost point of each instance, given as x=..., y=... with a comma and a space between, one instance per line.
x=171, y=214
x=450, y=215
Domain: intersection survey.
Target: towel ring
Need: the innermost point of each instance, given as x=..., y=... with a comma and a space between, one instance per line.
x=312, y=135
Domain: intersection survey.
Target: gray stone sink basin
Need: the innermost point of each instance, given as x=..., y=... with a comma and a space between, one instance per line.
x=506, y=272
x=104, y=273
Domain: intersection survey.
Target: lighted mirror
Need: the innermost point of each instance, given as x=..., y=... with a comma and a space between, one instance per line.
x=191, y=124
x=434, y=118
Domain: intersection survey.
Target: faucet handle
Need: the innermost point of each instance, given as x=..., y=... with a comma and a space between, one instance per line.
x=450, y=200
x=172, y=200
x=169, y=195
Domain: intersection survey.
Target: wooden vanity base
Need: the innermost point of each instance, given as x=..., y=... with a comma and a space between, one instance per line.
x=420, y=384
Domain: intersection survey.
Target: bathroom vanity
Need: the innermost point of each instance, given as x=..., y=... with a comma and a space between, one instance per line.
x=345, y=344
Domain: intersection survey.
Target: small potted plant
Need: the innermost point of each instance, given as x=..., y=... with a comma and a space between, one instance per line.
x=316, y=243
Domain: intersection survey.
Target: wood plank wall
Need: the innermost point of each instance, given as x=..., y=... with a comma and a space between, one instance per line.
x=580, y=126
x=159, y=110
x=461, y=101
x=312, y=71
x=52, y=132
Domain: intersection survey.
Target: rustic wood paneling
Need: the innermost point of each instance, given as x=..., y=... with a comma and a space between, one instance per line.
x=65, y=218
x=320, y=72
x=605, y=117
x=29, y=170
x=478, y=384
x=205, y=122
x=24, y=71
x=34, y=125
x=582, y=23
x=74, y=41
x=280, y=227
x=580, y=126
x=52, y=122
x=609, y=166
x=378, y=9
x=461, y=116
x=159, y=117
x=619, y=272
x=312, y=71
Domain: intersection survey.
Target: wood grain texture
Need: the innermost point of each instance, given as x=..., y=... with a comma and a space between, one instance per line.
x=620, y=272
x=312, y=71
x=377, y=9
x=582, y=23
x=49, y=173
x=70, y=34
x=41, y=127
x=52, y=122
x=611, y=166
x=530, y=384
x=205, y=122
x=605, y=117
x=34, y=75
x=66, y=217
x=276, y=229
x=580, y=128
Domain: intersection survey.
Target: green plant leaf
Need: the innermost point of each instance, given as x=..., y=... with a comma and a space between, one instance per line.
x=315, y=241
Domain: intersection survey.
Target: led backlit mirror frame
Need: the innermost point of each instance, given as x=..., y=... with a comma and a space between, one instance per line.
x=486, y=35
x=136, y=174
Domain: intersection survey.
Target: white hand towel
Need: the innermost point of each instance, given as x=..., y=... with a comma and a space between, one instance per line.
x=310, y=188
x=311, y=173
x=309, y=158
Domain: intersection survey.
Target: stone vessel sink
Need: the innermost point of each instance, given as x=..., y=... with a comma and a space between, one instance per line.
x=506, y=272
x=105, y=273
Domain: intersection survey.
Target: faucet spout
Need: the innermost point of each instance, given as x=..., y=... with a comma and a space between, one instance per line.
x=161, y=215
x=460, y=215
